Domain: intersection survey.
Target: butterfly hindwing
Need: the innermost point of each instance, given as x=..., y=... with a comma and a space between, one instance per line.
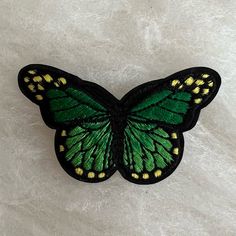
x=84, y=136
x=85, y=150
x=151, y=152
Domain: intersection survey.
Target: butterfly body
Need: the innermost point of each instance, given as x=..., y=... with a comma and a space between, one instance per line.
x=140, y=135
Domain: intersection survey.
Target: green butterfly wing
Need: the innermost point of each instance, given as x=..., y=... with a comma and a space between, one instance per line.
x=174, y=102
x=61, y=99
x=153, y=140
x=149, y=151
x=87, y=147
x=83, y=138
x=164, y=106
x=73, y=105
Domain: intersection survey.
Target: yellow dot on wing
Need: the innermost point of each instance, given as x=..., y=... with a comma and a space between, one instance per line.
x=210, y=84
x=176, y=151
x=40, y=87
x=198, y=100
x=181, y=86
x=145, y=176
x=26, y=79
x=37, y=79
x=175, y=82
x=196, y=90
x=204, y=76
x=79, y=171
x=39, y=97
x=31, y=87
x=61, y=148
x=62, y=80
x=199, y=82
x=174, y=136
x=63, y=133
x=157, y=173
x=91, y=175
x=189, y=81
x=32, y=72
x=205, y=91
x=56, y=84
x=134, y=175
x=48, y=78
x=101, y=175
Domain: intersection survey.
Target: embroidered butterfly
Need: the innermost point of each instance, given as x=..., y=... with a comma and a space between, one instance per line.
x=140, y=135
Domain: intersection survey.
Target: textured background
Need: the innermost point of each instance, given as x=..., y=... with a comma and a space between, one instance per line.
x=118, y=44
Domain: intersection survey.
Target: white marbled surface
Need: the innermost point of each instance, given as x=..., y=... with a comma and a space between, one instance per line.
x=118, y=44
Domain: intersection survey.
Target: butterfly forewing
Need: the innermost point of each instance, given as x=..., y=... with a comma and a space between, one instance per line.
x=173, y=101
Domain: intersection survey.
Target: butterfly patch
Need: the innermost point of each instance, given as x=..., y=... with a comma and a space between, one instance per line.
x=140, y=135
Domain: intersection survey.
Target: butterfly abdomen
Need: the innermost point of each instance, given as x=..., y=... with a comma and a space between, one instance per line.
x=118, y=124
